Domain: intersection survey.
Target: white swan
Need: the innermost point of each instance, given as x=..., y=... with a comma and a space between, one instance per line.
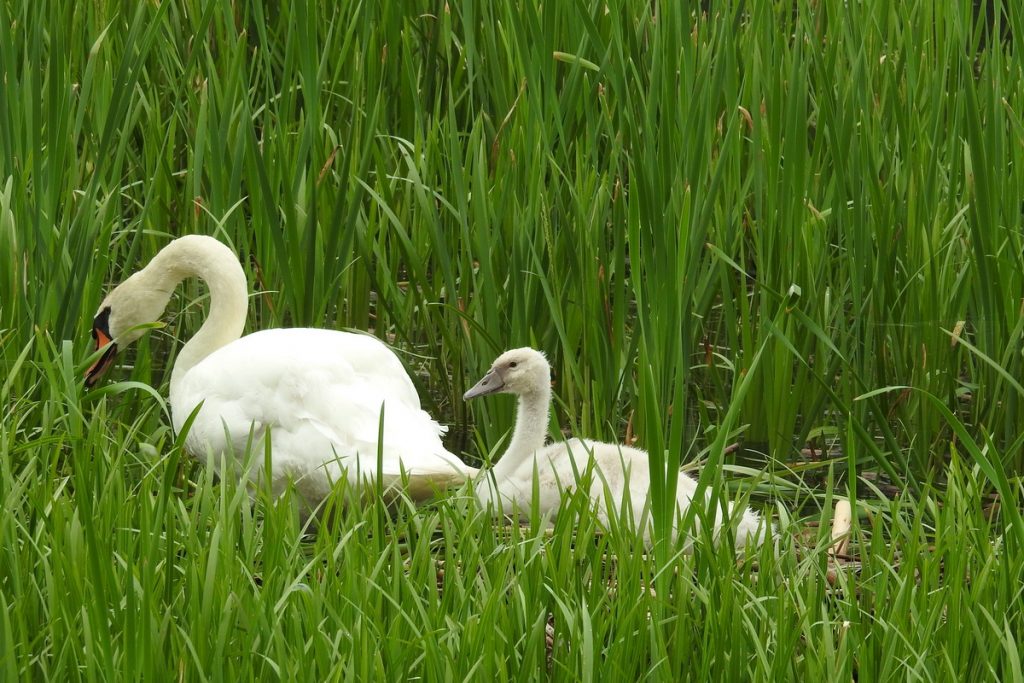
x=618, y=469
x=316, y=394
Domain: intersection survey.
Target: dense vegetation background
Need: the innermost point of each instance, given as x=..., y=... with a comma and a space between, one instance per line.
x=791, y=225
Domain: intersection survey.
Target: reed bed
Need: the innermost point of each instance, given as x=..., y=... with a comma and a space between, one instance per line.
x=779, y=243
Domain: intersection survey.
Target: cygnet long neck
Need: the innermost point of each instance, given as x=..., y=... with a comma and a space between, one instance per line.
x=530, y=432
x=217, y=266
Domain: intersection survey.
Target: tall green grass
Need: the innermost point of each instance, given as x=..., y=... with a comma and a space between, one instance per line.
x=634, y=188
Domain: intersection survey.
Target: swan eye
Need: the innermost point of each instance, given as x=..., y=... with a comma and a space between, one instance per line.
x=101, y=323
x=513, y=364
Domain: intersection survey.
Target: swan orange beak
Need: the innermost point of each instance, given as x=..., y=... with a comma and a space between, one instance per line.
x=101, y=334
x=491, y=383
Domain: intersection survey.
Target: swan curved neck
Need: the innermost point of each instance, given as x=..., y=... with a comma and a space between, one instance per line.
x=530, y=433
x=217, y=266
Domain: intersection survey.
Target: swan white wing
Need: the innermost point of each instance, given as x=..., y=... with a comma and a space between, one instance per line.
x=319, y=393
x=616, y=460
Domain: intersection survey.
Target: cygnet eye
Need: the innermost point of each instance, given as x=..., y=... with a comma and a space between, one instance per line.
x=513, y=364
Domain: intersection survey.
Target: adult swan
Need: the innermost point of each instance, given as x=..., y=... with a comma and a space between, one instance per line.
x=317, y=395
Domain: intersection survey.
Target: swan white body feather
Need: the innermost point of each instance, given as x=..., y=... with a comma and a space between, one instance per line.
x=319, y=395
x=316, y=394
x=619, y=475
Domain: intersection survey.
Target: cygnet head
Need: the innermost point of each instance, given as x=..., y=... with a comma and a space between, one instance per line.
x=519, y=371
x=133, y=303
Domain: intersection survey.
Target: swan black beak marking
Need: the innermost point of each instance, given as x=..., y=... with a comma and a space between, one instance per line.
x=491, y=383
x=101, y=334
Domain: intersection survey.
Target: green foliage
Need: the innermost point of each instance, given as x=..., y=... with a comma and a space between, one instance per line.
x=634, y=188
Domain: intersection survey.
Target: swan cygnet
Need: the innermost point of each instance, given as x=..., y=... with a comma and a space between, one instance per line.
x=315, y=394
x=618, y=469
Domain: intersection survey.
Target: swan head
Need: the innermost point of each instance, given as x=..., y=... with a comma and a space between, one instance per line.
x=122, y=317
x=519, y=371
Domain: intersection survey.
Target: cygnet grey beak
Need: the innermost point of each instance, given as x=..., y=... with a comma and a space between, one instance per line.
x=491, y=383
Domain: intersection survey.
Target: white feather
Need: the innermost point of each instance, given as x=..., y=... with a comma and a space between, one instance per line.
x=316, y=395
x=619, y=475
